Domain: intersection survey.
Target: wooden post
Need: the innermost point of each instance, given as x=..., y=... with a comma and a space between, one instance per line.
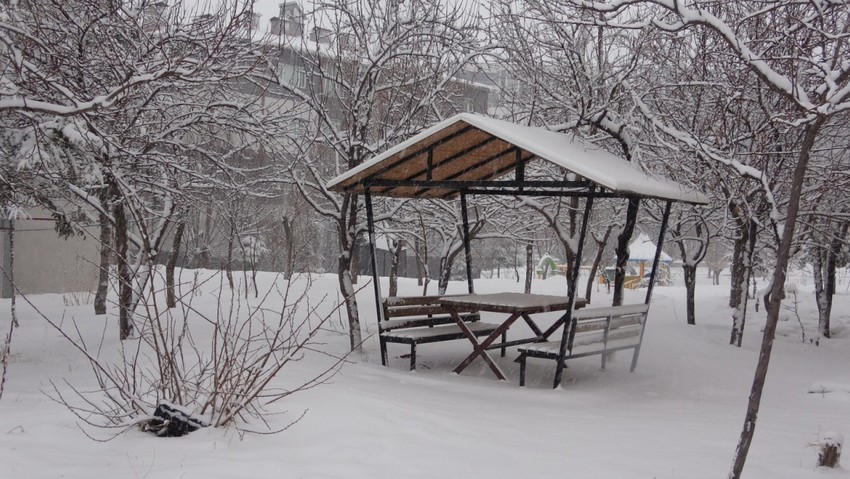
x=373, y=257
x=571, y=288
x=466, y=246
x=657, y=260
x=529, y=267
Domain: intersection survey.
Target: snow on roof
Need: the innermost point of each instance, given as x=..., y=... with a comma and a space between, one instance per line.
x=643, y=249
x=582, y=158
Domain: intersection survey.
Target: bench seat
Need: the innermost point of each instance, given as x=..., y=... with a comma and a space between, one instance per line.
x=445, y=332
x=415, y=322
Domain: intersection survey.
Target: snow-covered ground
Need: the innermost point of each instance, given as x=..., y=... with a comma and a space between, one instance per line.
x=677, y=416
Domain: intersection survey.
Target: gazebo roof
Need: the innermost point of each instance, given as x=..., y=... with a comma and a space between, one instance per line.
x=471, y=151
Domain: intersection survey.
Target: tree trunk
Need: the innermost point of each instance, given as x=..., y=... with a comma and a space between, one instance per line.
x=125, y=286
x=597, y=260
x=737, y=269
x=105, y=254
x=354, y=267
x=445, y=274
x=246, y=260
x=289, y=239
x=204, y=255
x=347, y=241
x=448, y=260
x=228, y=266
x=529, y=267
x=739, y=315
x=347, y=287
x=7, y=265
x=395, y=255
x=623, y=251
x=776, y=295
x=420, y=271
x=817, y=255
x=170, y=296
x=690, y=272
x=516, y=261
x=828, y=281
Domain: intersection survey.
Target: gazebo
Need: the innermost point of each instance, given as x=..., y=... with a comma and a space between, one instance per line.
x=469, y=154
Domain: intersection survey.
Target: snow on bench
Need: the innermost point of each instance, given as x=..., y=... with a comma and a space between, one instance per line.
x=594, y=331
x=422, y=319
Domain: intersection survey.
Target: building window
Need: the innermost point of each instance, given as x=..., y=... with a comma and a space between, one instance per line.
x=328, y=85
x=299, y=78
x=295, y=77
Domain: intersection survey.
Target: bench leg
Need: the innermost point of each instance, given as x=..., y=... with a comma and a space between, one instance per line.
x=522, y=358
x=559, y=371
x=635, y=358
x=383, y=343
x=413, y=357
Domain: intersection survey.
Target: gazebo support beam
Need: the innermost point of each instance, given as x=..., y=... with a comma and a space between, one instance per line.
x=502, y=185
x=571, y=290
x=657, y=259
x=373, y=259
x=655, y=262
x=466, y=246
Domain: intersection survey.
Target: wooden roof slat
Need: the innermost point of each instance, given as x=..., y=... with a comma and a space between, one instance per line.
x=487, y=140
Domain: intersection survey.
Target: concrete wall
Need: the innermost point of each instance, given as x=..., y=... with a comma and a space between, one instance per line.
x=46, y=263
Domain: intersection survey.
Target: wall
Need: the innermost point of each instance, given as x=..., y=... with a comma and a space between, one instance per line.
x=46, y=263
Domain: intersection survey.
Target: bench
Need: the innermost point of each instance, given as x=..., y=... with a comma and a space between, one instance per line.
x=594, y=331
x=422, y=319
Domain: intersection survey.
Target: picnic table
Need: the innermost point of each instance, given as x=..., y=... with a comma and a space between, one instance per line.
x=515, y=306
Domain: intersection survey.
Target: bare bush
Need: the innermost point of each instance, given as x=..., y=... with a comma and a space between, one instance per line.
x=215, y=360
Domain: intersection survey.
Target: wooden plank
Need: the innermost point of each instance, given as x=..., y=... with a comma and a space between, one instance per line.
x=440, y=333
x=408, y=300
x=411, y=300
x=418, y=322
x=515, y=342
x=590, y=313
x=424, y=310
x=511, y=303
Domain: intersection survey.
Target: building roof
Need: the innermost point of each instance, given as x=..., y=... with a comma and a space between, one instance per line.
x=469, y=150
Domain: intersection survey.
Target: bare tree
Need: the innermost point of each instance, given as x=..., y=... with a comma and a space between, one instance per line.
x=692, y=234
x=390, y=71
x=795, y=49
x=132, y=120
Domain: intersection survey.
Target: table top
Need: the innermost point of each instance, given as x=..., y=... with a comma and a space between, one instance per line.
x=511, y=302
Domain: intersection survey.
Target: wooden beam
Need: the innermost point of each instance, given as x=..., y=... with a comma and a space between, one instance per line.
x=569, y=330
x=416, y=153
x=431, y=165
x=466, y=246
